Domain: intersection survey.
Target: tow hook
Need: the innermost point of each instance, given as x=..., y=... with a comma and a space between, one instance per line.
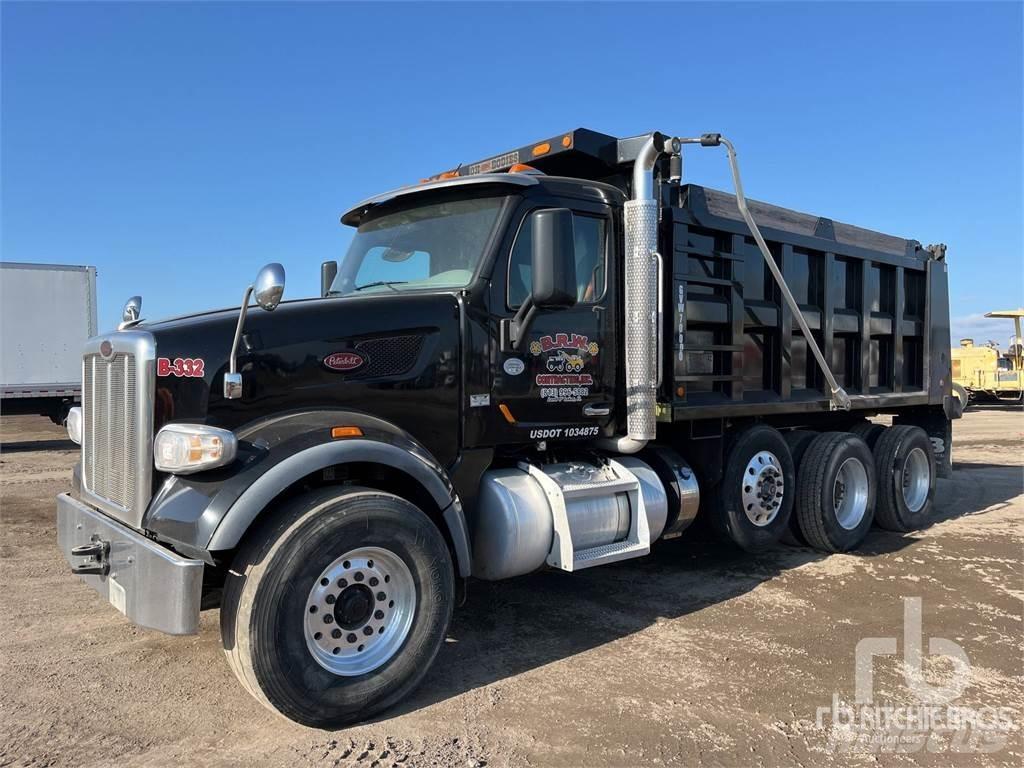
x=98, y=552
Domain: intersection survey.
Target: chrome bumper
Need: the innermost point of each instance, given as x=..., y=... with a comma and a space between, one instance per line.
x=148, y=583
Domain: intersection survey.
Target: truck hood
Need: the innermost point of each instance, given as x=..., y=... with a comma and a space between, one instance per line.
x=318, y=353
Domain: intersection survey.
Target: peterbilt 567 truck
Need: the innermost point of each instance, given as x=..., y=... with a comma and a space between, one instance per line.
x=551, y=358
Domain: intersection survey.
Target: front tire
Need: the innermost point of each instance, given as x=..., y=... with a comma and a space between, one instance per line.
x=334, y=610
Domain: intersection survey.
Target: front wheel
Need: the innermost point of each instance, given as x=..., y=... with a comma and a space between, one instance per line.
x=335, y=610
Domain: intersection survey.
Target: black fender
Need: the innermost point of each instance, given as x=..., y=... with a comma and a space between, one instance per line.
x=211, y=511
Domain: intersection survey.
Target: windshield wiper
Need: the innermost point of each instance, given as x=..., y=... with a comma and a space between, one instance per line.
x=389, y=283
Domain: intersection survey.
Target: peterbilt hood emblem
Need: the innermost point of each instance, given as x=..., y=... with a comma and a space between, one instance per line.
x=344, y=361
x=106, y=349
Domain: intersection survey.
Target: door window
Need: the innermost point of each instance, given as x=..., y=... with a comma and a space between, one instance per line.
x=589, y=236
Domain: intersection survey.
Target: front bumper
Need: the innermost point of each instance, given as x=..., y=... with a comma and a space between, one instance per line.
x=148, y=583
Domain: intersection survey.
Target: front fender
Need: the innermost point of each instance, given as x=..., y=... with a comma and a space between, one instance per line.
x=211, y=511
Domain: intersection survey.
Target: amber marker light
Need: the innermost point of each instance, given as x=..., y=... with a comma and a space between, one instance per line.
x=541, y=149
x=337, y=432
x=507, y=413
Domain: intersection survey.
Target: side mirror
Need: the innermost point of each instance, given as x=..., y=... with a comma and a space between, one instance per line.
x=269, y=286
x=553, y=259
x=132, y=309
x=328, y=271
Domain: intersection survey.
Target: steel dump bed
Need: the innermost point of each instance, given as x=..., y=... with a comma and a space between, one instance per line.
x=877, y=305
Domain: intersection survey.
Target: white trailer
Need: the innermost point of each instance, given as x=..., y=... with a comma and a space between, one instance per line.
x=47, y=312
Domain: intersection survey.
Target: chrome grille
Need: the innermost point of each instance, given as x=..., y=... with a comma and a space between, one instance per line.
x=109, y=437
x=117, y=425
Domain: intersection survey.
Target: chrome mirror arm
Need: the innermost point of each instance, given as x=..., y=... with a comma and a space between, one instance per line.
x=233, y=379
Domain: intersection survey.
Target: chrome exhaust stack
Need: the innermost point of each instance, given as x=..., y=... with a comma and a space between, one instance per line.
x=641, y=291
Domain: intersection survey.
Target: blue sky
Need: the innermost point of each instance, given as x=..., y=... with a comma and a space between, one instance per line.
x=177, y=147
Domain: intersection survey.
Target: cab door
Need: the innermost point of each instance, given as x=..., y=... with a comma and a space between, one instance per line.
x=560, y=381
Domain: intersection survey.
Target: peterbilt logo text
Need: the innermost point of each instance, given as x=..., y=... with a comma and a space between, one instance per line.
x=344, y=361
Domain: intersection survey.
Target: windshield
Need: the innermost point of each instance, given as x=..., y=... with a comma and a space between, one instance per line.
x=431, y=246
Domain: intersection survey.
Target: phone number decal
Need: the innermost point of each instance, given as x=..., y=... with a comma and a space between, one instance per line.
x=182, y=367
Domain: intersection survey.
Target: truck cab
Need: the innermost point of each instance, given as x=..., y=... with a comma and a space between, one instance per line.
x=551, y=358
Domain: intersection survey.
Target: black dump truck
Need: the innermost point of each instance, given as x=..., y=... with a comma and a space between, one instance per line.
x=551, y=358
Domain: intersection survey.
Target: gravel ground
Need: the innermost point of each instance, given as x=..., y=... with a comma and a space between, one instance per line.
x=695, y=654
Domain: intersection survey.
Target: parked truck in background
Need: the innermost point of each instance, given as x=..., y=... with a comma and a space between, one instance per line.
x=551, y=358
x=47, y=313
x=984, y=373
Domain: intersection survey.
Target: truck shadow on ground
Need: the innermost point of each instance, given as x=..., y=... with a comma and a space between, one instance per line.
x=506, y=628
x=24, y=446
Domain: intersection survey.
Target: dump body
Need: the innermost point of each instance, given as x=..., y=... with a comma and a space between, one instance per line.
x=47, y=312
x=877, y=306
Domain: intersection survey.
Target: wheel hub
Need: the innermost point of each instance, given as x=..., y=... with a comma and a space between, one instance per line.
x=850, y=493
x=763, y=488
x=916, y=480
x=353, y=606
x=359, y=611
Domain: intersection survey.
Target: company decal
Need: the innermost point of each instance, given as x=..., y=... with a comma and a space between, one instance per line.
x=565, y=357
x=182, y=367
x=514, y=366
x=344, y=361
x=478, y=401
x=494, y=164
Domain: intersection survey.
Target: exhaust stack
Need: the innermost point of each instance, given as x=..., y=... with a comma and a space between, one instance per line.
x=641, y=272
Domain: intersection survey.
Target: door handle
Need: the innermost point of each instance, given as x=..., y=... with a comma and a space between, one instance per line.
x=596, y=410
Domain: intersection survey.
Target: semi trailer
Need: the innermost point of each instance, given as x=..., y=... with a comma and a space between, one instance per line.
x=47, y=312
x=552, y=358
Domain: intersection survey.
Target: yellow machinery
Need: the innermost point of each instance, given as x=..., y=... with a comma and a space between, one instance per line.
x=984, y=372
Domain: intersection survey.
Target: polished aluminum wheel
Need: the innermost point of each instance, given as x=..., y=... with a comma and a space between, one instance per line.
x=763, y=488
x=359, y=611
x=917, y=480
x=850, y=493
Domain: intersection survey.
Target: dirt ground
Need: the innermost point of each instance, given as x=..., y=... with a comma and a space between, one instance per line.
x=696, y=654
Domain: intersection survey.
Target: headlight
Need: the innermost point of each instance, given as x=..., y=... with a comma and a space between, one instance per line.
x=182, y=449
x=74, y=424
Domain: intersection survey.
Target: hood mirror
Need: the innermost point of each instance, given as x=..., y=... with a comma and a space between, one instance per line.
x=131, y=312
x=268, y=287
x=132, y=309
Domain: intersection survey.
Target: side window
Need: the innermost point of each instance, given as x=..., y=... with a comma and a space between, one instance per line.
x=589, y=235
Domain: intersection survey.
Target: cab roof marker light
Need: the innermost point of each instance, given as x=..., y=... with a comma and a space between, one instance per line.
x=541, y=149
